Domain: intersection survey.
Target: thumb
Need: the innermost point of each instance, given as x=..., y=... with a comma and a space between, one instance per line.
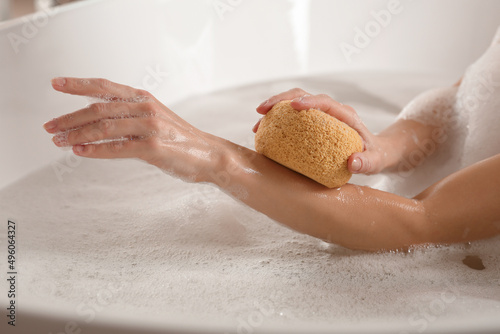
x=363, y=163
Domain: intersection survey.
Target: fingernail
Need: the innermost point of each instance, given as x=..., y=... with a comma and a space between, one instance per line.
x=254, y=129
x=78, y=149
x=59, y=82
x=50, y=125
x=263, y=103
x=356, y=165
x=299, y=99
x=61, y=139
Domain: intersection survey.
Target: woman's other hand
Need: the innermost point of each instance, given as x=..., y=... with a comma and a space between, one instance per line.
x=131, y=123
x=370, y=161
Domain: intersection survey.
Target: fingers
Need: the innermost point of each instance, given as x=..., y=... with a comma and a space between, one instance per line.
x=265, y=106
x=106, y=129
x=301, y=100
x=100, y=88
x=99, y=111
x=114, y=150
x=343, y=113
x=366, y=162
x=256, y=126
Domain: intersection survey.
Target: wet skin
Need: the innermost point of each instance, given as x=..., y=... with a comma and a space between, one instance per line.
x=461, y=207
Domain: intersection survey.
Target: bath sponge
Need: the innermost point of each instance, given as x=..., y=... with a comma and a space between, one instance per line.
x=309, y=142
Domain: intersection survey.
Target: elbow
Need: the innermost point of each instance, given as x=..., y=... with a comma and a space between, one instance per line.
x=411, y=227
x=396, y=234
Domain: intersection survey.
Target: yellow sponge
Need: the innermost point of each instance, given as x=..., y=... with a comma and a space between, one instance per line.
x=309, y=142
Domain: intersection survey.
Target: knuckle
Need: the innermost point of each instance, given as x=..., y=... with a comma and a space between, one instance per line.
x=152, y=107
x=144, y=93
x=153, y=124
x=87, y=134
x=350, y=109
x=154, y=143
x=357, y=122
x=297, y=90
x=94, y=135
x=354, y=116
x=105, y=126
x=83, y=82
x=98, y=108
x=150, y=123
x=103, y=83
x=67, y=118
x=116, y=146
x=122, y=110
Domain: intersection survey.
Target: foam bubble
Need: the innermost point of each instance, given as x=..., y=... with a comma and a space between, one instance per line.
x=125, y=228
x=466, y=121
x=108, y=98
x=434, y=107
x=61, y=139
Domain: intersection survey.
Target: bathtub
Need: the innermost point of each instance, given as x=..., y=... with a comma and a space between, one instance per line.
x=374, y=55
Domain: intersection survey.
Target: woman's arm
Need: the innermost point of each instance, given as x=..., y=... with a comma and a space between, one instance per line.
x=394, y=148
x=462, y=207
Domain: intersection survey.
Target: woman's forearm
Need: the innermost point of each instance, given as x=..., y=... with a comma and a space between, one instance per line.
x=359, y=217
x=352, y=216
x=419, y=130
x=463, y=206
x=405, y=144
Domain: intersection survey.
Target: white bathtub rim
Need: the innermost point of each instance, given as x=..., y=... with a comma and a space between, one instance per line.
x=153, y=324
x=19, y=21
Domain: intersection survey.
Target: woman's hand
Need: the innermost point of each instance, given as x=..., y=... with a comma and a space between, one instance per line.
x=131, y=123
x=370, y=161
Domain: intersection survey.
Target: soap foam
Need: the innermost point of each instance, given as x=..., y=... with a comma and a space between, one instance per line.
x=434, y=107
x=466, y=121
x=157, y=247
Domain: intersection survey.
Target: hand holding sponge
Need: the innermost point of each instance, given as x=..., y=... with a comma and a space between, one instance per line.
x=309, y=142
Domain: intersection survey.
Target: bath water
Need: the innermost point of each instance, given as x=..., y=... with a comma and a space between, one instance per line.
x=105, y=237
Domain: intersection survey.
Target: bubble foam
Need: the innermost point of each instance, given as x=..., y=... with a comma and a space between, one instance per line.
x=160, y=248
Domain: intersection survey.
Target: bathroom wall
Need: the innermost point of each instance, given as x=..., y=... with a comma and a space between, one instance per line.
x=441, y=35
x=10, y=9
x=175, y=51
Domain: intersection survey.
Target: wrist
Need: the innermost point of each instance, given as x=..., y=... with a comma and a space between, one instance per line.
x=375, y=158
x=221, y=165
x=386, y=153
